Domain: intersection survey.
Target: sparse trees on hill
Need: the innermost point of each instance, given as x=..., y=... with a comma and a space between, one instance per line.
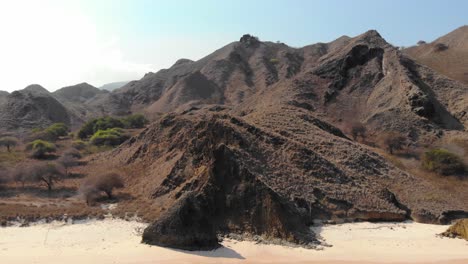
x=357, y=129
x=8, y=142
x=392, y=141
x=51, y=133
x=421, y=42
x=109, y=137
x=40, y=148
x=39, y=172
x=106, y=183
x=443, y=162
x=135, y=121
x=67, y=162
x=104, y=123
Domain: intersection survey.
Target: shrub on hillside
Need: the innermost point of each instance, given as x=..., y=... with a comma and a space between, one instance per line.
x=443, y=162
x=40, y=148
x=356, y=129
x=44, y=172
x=69, y=159
x=8, y=142
x=78, y=144
x=102, y=123
x=57, y=130
x=109, y=137
x=392, y=141
x=440, y=47
x=103, y=183
x=134, y=121
x=51, y=133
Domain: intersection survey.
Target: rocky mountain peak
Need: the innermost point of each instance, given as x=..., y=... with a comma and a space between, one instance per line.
x=36, y=88
x=249, y=40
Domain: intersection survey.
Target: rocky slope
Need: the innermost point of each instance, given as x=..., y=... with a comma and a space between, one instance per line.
x=29, y=108
x=364, y=75
x=220, y=174
x=252, y=146
x=447, y=54
x=113, y=86
x=76, y=100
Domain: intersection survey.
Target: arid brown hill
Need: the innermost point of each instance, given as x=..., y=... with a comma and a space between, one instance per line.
x=31, y=107
x=218, y=173
x=364, y=76
x=447, y=54
x=76, y=98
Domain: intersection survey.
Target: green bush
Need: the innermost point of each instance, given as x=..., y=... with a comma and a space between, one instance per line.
x=57, y=130
x=102, y=123
x=79, y=144
x=110, y=137
x=40, y=148
x=443, y=162
x=135, y=121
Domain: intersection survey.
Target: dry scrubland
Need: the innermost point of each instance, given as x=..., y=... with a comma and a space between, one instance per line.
x=257, y=139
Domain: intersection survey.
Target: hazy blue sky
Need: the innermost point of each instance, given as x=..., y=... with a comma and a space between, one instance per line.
x=57, y=43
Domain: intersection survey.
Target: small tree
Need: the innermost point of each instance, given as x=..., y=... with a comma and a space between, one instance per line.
x=48, y=173
x=40, y=148
x=109, y=137
x=67, y=161
x=8, y=142
x=357, y=129
x=101, y=183
x=421, y=42
x=56, y=130
x=443, y=162
x=393, y=141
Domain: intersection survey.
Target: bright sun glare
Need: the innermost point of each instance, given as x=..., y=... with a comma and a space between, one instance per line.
x=42, y=40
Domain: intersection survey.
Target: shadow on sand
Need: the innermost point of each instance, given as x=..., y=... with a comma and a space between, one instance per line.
x=221, y=252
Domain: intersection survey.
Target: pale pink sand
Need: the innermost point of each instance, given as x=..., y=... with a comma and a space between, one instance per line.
x=118, y=241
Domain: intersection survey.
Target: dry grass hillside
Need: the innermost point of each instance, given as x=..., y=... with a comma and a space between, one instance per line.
x=450, y=58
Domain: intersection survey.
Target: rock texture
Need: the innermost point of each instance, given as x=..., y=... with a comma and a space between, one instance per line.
x=249, y=140
x=31, y=107
x=222, y=174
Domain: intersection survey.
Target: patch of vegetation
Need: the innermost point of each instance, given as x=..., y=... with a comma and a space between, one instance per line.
x=9, y=142
x=51, y=133
x=134, y=121
x=102, y=123
x=109, y=137
x=443, y=162
x=92, y=187
x=274, y=61
x=57, y=130
x=79, y=144
x=40, y=148
x=392, y=141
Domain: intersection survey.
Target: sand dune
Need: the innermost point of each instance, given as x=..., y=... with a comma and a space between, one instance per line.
x=118, y=241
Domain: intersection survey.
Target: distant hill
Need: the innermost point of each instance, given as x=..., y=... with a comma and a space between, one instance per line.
x=447, y=54
x=113, y=86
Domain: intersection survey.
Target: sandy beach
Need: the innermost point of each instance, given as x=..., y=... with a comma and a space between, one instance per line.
x=118, y=241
